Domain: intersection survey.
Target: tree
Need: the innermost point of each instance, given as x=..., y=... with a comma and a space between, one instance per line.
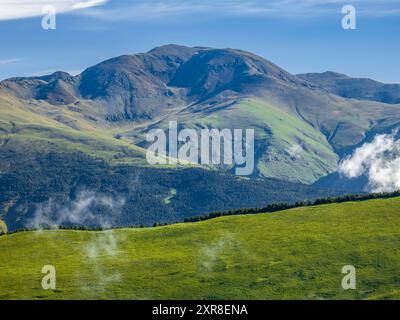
x=3, y=228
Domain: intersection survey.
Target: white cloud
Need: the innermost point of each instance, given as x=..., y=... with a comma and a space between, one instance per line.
x=157, y=9
x=379, y=160
x=88, y=4
x=82, y=211
x=10, y=61
x=18, y=9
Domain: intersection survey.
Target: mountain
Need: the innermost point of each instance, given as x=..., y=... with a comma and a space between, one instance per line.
x=102, y=115
x=339, y=181
x=354, y=88
x=205, y=87
x=292, y=254
x=44, y=189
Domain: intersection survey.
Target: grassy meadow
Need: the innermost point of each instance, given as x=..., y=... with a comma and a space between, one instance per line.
x=293, y=254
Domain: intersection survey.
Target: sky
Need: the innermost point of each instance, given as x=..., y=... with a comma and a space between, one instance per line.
x=298, y=35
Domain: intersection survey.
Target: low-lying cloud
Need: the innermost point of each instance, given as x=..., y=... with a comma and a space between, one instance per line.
x=88, y=209
x=211, y=255
x=378, y=160
x=100, y=249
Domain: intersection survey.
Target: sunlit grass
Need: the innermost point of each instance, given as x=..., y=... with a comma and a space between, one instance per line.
x=293, y=254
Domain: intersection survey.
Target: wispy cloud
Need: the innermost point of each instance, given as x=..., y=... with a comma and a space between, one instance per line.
x=158, y=9
x=18, y=9
x=6, y=62
x=88, y=4
x=86, y=210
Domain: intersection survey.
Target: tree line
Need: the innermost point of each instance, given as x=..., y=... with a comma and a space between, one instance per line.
x=285, y=206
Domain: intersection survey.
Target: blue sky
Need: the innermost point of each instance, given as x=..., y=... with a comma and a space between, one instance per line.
x=300, y=36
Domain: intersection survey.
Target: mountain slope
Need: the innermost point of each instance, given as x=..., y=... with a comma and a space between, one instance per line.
x=48, y=128
x=337, y=180
x=45, y=188
x=54, y=152
x=287, y=148
x=355, y=88
x=294, y=254
x=120, y=99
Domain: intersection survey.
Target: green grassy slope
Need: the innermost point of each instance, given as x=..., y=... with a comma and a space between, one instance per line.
x=80, y=127
x=295, y=254
x=287, y=148
x=46, y=128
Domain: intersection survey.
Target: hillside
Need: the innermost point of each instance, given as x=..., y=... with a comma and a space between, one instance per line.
x=107, y=109
x=53, y=153
x=42, y=189
x=294, y=254
x=355, y=88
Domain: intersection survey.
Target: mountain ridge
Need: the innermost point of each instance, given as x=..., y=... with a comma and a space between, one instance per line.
x=355, y=88
x=60, y=134
x=205, y=87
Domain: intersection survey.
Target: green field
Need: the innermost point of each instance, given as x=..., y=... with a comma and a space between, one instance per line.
x=293, y=254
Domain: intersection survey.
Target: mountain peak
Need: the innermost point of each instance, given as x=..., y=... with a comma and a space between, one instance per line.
x=334, y=74
x=173, y=50
x=170, y=47
x=58, y=75
x=327, y=75
x=140, y=85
